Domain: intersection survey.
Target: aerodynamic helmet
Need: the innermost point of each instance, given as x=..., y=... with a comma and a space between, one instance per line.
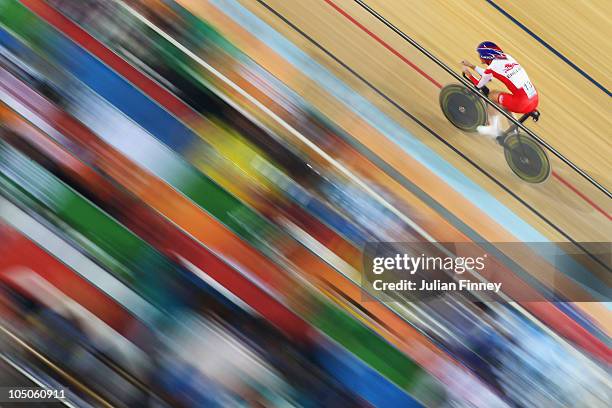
x=488, y=50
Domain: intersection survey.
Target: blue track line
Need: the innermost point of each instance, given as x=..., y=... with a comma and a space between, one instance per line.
x=549, y=47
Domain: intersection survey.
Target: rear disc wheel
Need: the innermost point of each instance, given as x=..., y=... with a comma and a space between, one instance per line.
x=526, y=158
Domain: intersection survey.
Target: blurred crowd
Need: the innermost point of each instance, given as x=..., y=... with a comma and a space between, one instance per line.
x=81, y=168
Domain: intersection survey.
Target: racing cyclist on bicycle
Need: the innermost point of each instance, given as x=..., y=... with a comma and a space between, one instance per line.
x=522, y=96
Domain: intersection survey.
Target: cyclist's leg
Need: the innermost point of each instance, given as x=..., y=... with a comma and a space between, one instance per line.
x=493, y=128
x=494, y=96
x=529, y=105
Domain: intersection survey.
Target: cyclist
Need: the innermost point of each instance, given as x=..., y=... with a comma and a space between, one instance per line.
x=522, y=96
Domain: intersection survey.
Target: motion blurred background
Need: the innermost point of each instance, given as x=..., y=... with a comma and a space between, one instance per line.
x=187, y=188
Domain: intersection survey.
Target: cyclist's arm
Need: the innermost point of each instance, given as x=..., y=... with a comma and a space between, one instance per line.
x=469, y=76
x=486, y=75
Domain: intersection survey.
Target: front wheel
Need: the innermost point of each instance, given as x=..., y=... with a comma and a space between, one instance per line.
x=462, y=107
x=526, y=158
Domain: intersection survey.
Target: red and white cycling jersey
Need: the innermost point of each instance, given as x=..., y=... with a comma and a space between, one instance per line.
x=523, y=97
x=511, y=74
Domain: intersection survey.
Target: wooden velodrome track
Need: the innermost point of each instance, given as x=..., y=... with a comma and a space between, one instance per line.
x=568, y=201
x=575, y=112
